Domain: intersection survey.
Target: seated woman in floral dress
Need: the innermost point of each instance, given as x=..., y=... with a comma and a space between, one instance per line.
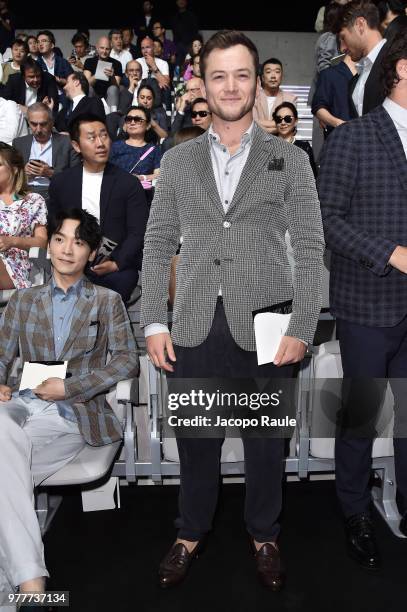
x=23, y=219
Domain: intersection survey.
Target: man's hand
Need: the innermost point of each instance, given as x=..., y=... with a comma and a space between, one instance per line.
x=48, y=102
x=162, y=80
x=51, y=390
x=106, y=267
x=109, y=72
x=5, y=393
x=39, y=168
x=398, y=259
x=291, y=350
x=159, y=346
x=6, y=242
x=133, y=82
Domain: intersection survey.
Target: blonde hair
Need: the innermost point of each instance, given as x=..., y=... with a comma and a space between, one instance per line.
x=15, y=162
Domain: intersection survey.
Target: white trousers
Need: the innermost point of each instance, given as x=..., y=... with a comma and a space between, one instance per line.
x=35, y=442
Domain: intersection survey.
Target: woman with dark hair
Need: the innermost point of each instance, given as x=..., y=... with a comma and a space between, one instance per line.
x=23, y=217
x=134, y=154
x=159, y=121
x=286, y=119
x=393, y=17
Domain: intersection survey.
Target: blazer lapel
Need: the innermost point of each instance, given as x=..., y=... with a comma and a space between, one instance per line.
x=258, y=156
x=390, y=139
x=55, y=146
x=107, y=186
x=201, y=158
x=44, y=319
x=80, y=316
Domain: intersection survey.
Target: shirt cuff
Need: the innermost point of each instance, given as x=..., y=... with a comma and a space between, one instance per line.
x=155, y=328
x=180, y=112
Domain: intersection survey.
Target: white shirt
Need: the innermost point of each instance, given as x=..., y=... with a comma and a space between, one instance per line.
x=270, y=102
x=161, y=65
x=44, y=153
x=12, y=121
x=123, y=57
x=366, y=65
x=76, y=100
x=91, y=186
x=30, y=95
x=398, y=115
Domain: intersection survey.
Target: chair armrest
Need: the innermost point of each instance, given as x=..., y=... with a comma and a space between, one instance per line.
x=128, y=391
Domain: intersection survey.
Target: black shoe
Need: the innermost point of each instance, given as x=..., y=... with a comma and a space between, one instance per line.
x=362, y=546
x=403, y=524
x=270, y=569
x=175, y=565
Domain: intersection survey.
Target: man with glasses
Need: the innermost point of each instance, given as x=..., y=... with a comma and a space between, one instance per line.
x=169, y=47
x=113, y=196
x=271, y=95
x=193, y=90
x=200, y=113
x=50, y=62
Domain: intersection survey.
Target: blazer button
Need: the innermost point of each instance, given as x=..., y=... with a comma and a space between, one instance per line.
x=226, y=224
x=217, y=262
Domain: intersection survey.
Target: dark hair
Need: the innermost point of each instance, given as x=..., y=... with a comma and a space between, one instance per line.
x=15, y=161
x=48, y=34
x=395, y=52
x=198, y=101
x=79, y=38
x=129, y=28
x=20, y=43
x=271, y=60
x=187, y=133
x=75, y=126
x=357, y=8
x=146, y=86
x=88, y=229
x=395, y=6
x=224, y=40
x=146, y=111
x=29, y=63
x=82, y=80
x=115, y=31
x=332, y=17
x=83, y=31
x=289, y=105
x=158, y=40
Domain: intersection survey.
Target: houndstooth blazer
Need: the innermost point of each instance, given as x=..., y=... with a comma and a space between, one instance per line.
x=99, y=326
x=243, y=251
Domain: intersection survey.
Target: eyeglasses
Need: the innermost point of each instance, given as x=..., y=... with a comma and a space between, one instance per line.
x=134, y=119
x=202, y=114
x=286, y=119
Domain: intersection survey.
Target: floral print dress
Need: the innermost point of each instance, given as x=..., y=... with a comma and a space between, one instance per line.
x=20, y=219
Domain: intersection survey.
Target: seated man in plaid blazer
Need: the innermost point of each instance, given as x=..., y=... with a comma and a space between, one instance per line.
x=363, y=189
x=41, y=430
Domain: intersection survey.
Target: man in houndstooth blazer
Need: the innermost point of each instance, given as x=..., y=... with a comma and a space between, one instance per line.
x=69, y=319
x=232, y=194
x=363, y=191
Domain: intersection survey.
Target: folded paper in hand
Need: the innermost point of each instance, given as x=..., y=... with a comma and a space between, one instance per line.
x=100, y=74
x=35, y=372
x=270, y=325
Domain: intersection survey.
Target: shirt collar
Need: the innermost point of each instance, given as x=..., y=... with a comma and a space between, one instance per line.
x=372, y=55
x=397, y=113
x=246, y=139
x=75, y=288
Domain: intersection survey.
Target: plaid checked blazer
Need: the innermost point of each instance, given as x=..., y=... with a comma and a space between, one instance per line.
x=246, y=255
x=362, y=186
x=99, y=325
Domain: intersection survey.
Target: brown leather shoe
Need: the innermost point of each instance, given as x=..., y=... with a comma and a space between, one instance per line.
x=269, y=566
x=175, y=565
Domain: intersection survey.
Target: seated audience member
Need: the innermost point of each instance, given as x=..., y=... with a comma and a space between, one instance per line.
x=159, y=120
x=330, y=103
x=32, y=85
x=128, y=36
x=117, y=51
x=45, y=152
x=50, y=61
x=44, y=428
x=285, y=117
x=193, y=90
x=144, y=19
x=107, y=90
x=79, y=53
x=153, y=67
x=184, y=26
x=7, y=29
x=19, y=51
x=32, y=46
x=130, y=84
x=12, y=121
x=77, y=102
x=193, y=69
x=194, y=49
x=23, y=217
x=270, y=95
x=115, y=198
x=134, y=154
x=90, y=49
x=200, y=113
x=393, y=17
x=169, y=48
